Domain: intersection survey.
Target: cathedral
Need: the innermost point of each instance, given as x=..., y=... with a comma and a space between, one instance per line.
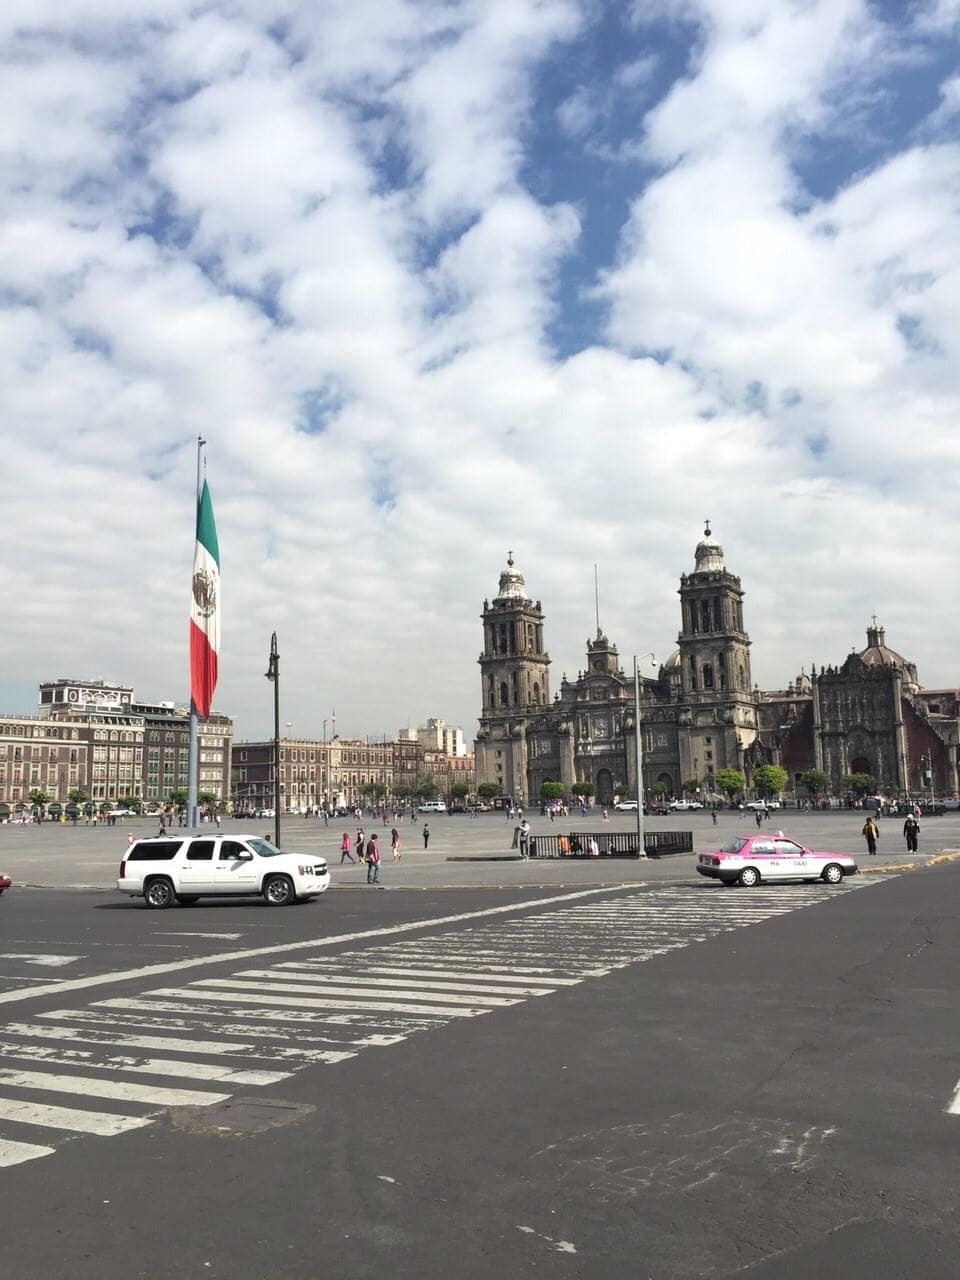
x=701, y=712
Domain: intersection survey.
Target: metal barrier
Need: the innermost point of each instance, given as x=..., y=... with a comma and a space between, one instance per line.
x=610, y=844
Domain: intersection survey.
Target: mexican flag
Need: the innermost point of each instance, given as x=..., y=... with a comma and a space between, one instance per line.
x=205, y=608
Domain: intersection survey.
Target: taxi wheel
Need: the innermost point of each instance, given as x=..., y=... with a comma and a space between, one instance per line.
x=749, y=876
x=279, y=891
x=833, y=873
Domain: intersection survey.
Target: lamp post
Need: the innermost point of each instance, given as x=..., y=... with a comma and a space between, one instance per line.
x=273, y=673
x=638, y=748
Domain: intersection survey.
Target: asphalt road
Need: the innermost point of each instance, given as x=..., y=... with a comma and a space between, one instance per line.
x=667, y=1081
x=62, y=856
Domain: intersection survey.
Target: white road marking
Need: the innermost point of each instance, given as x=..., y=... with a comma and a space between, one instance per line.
x=89, y=1036
x=224, y=957
x=315, y=976
x=49, y=961
x=184, y=933
x=177, y=1068
x=953, y=1107
x=311, y=1002
x=101, y=1123
x=18, y=1152
x=150, y=1095
x=420, y=972
x=346, y=988
x=290, y=1019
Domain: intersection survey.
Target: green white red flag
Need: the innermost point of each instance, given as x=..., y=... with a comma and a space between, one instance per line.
x=205, y=608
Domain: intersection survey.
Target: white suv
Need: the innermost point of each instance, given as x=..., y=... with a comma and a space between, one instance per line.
x=165, y=869
x=432, y=806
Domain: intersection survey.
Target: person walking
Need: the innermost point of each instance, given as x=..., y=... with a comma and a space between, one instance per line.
x=359, y=844
x=871, y=833
x=713, y=815
x=524, y=838
x=373, y=860
x=395, y=844
x=911, y=833
x=426, y=834
x=345, y=854
x=759, y=817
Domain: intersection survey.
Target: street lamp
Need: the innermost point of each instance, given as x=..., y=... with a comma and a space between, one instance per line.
x=273, y=673
x=638, y=748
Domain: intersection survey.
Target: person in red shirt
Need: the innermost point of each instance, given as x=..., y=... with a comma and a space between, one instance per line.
x=373, y=860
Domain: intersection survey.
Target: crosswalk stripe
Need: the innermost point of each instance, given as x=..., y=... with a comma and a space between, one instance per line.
x=314, y=1002
x=181, y=1070
x=19, y=1152
x=289, y=1017
x=92, y=1037
x=101, y=1123
x=421, y=972
x=436, y=999
x=151, y=1095
x=365, y=980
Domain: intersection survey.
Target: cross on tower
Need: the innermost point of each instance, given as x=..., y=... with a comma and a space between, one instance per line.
x=510, y=559
x=874, y=620
x=706, y=529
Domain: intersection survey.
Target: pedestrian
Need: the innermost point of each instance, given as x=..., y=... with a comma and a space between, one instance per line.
x=606, y=816
x=426, y=834
x=759, y=817
x=130, y=839
x=911, y=833
x=871, y=833
x=345, y=854
x=593, y=849
x=373, y=860
x=713, y=814
x=359, y=844
x=395, y=844
x=523, y=839
x=163, y=827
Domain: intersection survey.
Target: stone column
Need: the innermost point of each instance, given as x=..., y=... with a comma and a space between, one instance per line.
x=568, y=774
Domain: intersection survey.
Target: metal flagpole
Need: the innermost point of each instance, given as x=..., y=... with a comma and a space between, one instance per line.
x=194, y=757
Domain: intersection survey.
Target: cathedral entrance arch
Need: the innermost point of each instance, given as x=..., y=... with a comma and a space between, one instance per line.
x=861, y=765
x=604, y=787
x=667, y=782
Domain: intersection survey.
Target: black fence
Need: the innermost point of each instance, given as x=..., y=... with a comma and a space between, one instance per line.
x=610, y=844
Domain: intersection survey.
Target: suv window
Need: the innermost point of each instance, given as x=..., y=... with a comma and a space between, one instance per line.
x=200, y=851
x=231, y=849
x=153, y=850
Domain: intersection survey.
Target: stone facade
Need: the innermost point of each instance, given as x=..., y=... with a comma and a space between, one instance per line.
x=701, y=712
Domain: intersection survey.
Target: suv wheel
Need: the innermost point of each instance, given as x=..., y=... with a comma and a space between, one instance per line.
x=278, y=891
x=158, y=893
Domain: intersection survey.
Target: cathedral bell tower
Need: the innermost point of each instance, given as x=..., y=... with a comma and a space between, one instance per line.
x=515, y=681
x=718, y=716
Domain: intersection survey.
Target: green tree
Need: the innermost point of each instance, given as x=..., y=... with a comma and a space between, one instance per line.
x=178, y=798
x=691, y=786
x=426, y=787
x=78, y=796
x=131, y=802
x=731, y=782
x=207, y=799
x=459, y=790
x=39, y=799
x=582, y=788
x=551, y=791
x=861, y=784
x=814, y=780
x=769, y=780
x=659, y=789
x=487, y=790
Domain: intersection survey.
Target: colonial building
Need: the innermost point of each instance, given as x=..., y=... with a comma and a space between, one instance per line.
x=701, y=712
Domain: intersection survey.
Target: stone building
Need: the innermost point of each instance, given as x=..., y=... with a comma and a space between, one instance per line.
x=701, y=712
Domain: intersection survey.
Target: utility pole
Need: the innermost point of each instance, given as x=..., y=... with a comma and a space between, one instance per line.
x=273, y=673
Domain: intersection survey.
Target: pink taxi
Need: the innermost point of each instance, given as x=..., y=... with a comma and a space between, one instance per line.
x=747, y=860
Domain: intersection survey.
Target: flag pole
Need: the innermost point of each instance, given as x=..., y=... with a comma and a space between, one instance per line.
x=194, y=757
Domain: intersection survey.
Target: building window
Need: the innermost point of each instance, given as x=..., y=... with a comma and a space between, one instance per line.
x=707, y=676
x=503, y=693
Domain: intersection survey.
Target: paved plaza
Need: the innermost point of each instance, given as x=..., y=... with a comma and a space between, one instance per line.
x=64, y=856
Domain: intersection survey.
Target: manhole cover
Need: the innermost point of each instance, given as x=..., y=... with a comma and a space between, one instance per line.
x=239, y=1116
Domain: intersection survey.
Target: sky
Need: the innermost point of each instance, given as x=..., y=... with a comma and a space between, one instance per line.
x=436, y=279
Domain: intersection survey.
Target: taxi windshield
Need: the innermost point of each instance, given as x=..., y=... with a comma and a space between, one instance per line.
x=733, y=846
x=263, y=847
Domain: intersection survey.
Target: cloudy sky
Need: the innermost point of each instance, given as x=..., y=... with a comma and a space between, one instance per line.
x=439, y=278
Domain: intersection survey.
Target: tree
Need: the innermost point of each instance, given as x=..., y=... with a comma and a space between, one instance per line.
x=131, y=802
x=207, y=798
x=769, y=779
x=861, y=784
x=691, y=786
x=487, y=790
x=178, y=798
x=731, y=782
x=426, y=787
x=815, y=781
x=39, y=799
x=77, y=796
x=582, y=788
x=551, y=791
x=659, y=789
x=459, y=790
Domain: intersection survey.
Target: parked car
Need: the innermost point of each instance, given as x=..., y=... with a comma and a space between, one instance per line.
x=748, y=860
x=5, y=882
x=165, y=869
x=626, y=806
x=764, y=805
x=681, y=806
x=432, y=806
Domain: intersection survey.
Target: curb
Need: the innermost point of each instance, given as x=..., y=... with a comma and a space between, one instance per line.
x=950, y=856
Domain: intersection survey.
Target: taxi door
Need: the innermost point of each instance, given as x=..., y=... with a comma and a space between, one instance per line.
x=763, y=856
x=793, y=860
x=236, y=869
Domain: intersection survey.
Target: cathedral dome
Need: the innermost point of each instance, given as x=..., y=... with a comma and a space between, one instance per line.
x=709, y=553
x=512, y=585
x=673, y=662
x=876, y=654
